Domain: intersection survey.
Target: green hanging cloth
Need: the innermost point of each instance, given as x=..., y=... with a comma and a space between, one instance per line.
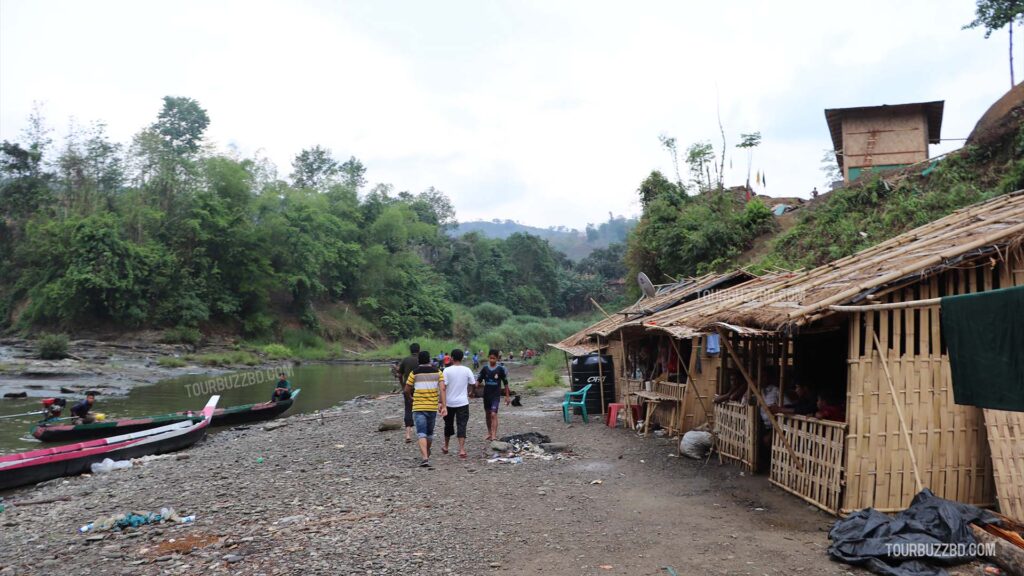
x=984, y=335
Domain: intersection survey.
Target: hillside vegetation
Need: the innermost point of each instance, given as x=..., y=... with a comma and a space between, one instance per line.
x=164, y=232
x=682, y=234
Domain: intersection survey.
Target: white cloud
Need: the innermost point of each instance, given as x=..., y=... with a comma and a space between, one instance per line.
x=544, y=112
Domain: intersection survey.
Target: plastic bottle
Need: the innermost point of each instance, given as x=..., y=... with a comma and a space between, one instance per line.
x=86, y=528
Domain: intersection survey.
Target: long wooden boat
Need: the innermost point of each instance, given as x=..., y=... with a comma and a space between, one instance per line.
x=48, y=463
x=235, y=415
x=229, y=416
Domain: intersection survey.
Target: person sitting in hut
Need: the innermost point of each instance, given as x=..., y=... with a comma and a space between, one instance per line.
x=80, y=411
x=804, y=402
x=828, y=410
x=737, y=389
x=283, y=391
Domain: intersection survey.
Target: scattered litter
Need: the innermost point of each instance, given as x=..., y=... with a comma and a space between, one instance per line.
x=339, y=446
x=259, y=460
x=152, y=458
x=506, y=460
x=597, y=481
x=605, y=566
x=530, y=445
x=529, y=437
x=660, y=433
x=109, y=465
x=758, y=509
x=134, y=520
x=671, y=571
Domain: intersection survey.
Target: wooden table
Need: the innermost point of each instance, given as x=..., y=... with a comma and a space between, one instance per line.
x=652, y=399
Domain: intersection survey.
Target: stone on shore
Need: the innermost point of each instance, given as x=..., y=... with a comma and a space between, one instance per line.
x=390, y=424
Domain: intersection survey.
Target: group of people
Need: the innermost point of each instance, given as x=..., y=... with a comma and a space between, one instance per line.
x=446, y=389
x=81, y=411
x=804, y=401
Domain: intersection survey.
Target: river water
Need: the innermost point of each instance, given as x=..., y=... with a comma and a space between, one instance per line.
x=323, y=386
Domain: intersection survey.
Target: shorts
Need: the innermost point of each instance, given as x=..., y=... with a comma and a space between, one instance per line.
x=425, y=424
x=492, y=399
x=455, y=421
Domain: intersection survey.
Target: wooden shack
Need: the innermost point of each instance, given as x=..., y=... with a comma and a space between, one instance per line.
x=876, y=311
x=875, y=138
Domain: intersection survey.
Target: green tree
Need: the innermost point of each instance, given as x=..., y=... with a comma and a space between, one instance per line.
x=315, y=168
x=700, y=156
x=181, y=124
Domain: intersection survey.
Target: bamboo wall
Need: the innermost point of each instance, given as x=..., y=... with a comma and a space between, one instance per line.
x=698, y=406
x=950, y=441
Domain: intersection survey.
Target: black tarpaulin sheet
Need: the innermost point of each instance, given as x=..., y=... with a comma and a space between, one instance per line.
x=933, y=532
x=984, y=333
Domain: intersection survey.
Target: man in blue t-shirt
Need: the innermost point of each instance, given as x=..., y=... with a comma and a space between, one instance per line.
x=492, y=377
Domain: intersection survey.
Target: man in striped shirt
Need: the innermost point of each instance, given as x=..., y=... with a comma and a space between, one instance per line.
x=425, y=386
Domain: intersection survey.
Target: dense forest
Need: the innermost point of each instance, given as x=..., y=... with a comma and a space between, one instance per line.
x=164, y=232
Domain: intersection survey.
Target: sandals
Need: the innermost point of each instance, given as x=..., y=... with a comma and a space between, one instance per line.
x=463, y=456
x=444, y=450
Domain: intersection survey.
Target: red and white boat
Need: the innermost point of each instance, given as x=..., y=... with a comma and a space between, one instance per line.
x=48, y=463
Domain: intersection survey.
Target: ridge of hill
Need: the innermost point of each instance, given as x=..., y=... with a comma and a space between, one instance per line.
x=575, y=244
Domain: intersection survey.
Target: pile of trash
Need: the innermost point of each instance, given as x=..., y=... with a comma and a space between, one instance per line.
x=135, y=519
x=512, y=449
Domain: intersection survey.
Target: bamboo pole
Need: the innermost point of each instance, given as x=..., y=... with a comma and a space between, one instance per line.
x=600, y=372
x=899, y=412
x=760, y=399
x=888, y=306
x=689, y=378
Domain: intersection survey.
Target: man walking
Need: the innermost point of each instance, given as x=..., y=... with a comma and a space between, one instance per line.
x=492, y=376
x=457, y=379
x=409, y=363
x=425, y=388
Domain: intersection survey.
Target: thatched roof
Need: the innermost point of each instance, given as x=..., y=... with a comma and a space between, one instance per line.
x=583, y=342
x=783, y=302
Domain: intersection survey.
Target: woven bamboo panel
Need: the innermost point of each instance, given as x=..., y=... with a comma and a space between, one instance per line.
x=1006, y=441
x=735, y=432
x=817, y=473
x=949, y=441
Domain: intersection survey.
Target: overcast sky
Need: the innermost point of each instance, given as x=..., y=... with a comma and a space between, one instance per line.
x=544, y=112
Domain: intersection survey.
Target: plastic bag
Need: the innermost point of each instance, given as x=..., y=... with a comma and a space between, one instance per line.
x=696, y=444
x=109, y=465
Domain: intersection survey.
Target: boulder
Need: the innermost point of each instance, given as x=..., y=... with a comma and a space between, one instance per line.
x=390, y=424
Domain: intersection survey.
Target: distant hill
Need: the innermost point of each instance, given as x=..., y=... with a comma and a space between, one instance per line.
x=576, y=244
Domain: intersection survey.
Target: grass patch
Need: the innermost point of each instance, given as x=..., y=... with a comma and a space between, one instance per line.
x=171, y=362
x=400, y=349
x=182, y=335
x=549, y=370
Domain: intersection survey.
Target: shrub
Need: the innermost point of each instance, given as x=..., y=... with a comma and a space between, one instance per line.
x=53, y=346
x=302, y=338
x=490, y=314
x=277, y=351
x=182, y=335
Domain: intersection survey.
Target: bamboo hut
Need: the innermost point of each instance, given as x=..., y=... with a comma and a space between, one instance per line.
x=869, y=325
x=622, y=334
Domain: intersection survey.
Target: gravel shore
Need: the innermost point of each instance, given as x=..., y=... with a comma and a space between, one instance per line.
x=339, y=497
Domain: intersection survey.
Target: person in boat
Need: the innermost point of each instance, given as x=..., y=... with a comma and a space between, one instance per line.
x=425, y=387
x=492, y=377
x=80, y=411
x=457, y=380
x=408, y=364
x=283, y=390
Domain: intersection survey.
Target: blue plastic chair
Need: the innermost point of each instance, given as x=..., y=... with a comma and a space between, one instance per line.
x=581, y=404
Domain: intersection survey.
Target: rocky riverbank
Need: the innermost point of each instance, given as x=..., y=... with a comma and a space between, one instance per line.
x=335, y=496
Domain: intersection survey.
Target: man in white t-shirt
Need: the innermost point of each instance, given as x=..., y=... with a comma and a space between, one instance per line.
x=458, y=402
